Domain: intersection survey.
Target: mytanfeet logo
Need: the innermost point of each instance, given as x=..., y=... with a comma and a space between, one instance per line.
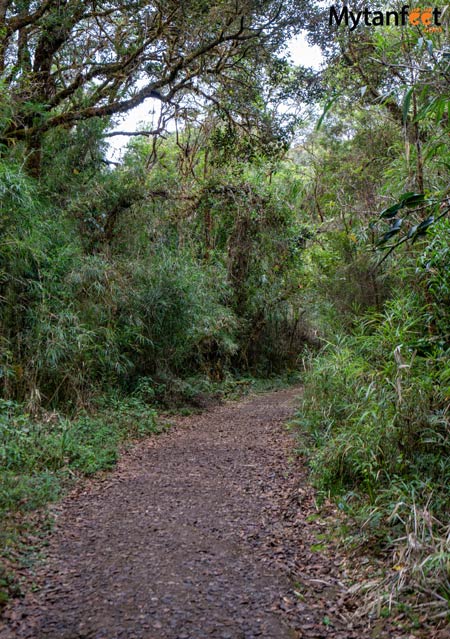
x=427, y=17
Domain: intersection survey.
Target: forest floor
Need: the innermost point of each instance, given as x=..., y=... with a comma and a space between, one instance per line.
x=209, y=530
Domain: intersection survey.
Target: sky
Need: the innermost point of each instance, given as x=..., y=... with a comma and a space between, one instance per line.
x=303, y=53
x=299, y=50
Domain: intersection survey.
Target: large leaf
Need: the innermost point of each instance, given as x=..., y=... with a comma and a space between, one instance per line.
x=407, y=195
x=414, y=199
x=412, y=231
x=423, y=227
x=391, y=211
x=406, y=199
x=394, y=229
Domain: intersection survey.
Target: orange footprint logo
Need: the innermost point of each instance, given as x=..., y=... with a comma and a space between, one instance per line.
x=421, y=17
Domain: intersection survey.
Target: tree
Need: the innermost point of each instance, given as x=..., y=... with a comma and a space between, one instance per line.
x=65, y=61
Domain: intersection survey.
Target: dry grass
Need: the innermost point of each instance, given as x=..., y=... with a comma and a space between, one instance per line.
x=419, y=577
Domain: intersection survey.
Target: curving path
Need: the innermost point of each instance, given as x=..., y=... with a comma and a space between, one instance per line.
x=202, y=532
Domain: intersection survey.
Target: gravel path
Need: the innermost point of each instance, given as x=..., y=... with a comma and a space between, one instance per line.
x=202, y=532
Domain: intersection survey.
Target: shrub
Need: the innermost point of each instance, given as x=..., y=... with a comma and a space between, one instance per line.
x=376, y=416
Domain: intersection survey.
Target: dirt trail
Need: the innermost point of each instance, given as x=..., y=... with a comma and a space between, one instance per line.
x=201, y=532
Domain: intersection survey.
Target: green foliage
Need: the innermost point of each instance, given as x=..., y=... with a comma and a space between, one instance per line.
x=241, y=225
x=213, y=255
x=375, y=412
x=127, y=288
x=427, y=212
x=180, y=312
x=54, y=84
x=39, y=456
x=375, y=416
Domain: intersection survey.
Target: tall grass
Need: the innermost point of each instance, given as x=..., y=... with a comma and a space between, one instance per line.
x=377, y=421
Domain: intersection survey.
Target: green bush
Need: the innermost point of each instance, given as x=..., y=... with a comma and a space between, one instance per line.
x=37, y=457
x=373, y=405
x=376, y=425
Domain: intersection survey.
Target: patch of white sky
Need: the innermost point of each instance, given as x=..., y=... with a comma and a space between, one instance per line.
x=298, y=51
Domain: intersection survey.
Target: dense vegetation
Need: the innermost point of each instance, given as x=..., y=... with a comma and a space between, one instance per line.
x=236, y=239
x=376, y=403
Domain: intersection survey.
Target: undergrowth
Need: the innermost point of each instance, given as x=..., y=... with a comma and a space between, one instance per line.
x=375, y=422
x=38, y=455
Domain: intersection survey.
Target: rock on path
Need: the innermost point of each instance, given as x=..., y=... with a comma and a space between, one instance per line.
x=199, y=533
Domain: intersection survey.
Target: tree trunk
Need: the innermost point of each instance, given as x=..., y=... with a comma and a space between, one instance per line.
x=33, y=162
